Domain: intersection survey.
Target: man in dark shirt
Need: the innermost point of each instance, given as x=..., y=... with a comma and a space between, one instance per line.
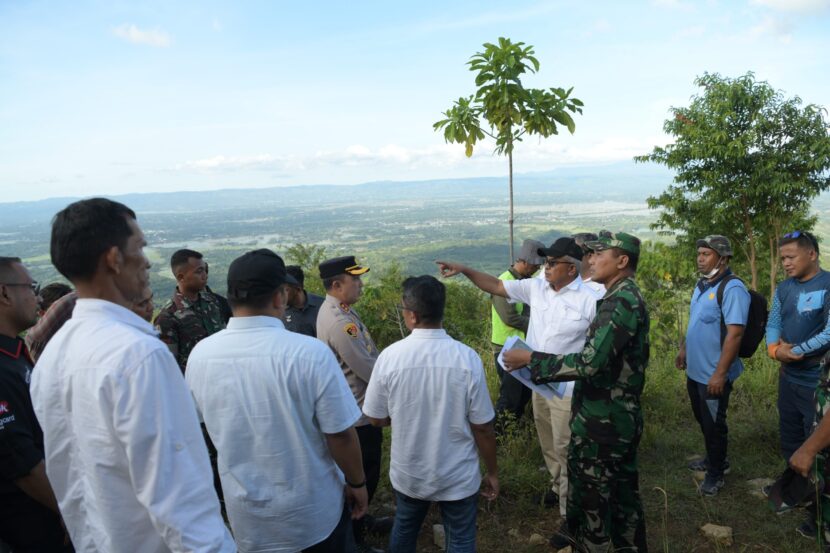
x=301, y=313
x=192, y=313
x=29, y=516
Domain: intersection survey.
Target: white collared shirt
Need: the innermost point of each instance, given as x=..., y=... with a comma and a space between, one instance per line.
x=124, y=451
x=559, y=321
x=268, y=397
x=432, y=387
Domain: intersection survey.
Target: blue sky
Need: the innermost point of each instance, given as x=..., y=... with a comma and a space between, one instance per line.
x=111, y=97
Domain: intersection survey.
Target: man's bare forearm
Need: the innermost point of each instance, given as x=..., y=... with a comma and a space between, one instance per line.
x=485, y=438
x=36, y=485
x=345, y=450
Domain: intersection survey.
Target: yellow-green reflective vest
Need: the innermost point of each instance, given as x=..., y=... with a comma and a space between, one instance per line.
x=501, y=332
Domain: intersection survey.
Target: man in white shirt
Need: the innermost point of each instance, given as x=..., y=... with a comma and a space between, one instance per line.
x=433, y=392
x=279, y=411
x=124, y=450
x=561, y=309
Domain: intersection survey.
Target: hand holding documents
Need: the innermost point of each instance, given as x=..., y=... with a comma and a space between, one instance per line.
x=548, y=391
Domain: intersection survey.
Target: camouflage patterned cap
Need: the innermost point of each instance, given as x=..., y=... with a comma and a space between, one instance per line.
x=622, y=240
x=718, y=243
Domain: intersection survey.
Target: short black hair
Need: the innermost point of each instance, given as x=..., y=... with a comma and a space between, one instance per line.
x=259, y=301
x=633, y=258
x=181, y=257
x=51, y=293
x=6, y=264
x=297, y=272
x=328, y=283
x=85, y=230
x=804, y=240
x=426, y=296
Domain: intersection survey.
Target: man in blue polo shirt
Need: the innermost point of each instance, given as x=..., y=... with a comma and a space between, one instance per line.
x=798, y=335
x=710, y=355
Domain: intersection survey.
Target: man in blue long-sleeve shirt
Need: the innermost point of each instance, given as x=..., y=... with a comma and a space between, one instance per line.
x=798, y=335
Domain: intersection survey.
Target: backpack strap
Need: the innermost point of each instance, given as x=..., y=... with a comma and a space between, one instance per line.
x=721, y=288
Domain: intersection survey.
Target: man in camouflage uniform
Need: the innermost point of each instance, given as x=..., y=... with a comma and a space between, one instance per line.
x=193, y=313
x=813, y=457
x=341, y=328
x=604, y=508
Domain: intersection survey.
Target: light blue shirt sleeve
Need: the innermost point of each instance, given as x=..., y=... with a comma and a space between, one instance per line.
x=774, y=320
x=736, y=301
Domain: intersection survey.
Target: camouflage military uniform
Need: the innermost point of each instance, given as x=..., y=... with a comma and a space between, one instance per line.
x=183, y=323
x=604, y=507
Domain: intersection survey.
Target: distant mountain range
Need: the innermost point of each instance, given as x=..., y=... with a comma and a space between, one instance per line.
x=624, y=181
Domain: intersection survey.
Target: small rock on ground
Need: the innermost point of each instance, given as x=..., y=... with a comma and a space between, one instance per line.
x=513, y=533
x=537, y=539
x=756, y=486
x=719, y=534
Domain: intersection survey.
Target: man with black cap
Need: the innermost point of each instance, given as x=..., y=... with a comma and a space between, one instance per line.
x=281, y=416
x=339, y=326
x=604, y=508
x=561, y=310
x=512, y=319
x=711, y=359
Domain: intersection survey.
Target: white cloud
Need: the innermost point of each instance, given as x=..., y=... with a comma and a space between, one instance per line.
x=673, y=4
x=134, y=35
x=796, y=6
x=691, y=32
x=533, y=155
x=771, y=26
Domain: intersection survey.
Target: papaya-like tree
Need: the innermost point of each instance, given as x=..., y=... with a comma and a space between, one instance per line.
x=510, y=110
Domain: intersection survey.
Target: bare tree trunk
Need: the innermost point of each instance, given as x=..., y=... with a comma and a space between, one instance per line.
x=510, y=218
x=773, y=258
x=750, y=237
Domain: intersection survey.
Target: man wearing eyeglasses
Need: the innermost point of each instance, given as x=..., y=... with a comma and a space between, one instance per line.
x=798, y=335
x=29, y=515
x=561, y=309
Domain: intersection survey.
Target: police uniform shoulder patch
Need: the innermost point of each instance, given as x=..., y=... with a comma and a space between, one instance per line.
x=351, y=330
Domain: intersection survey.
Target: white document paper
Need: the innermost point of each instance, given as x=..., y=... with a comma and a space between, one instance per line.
x=548, y=391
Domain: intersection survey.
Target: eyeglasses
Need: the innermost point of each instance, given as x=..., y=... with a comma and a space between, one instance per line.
x=33, y=285
x=798, y=234
x=554, y=262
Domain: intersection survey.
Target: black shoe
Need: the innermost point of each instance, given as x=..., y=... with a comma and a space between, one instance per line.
x=702, y=465
x=711, y=485
x=366, y=548
x=378, y=525
x=548, y=500
x=808, y=529
x=560, y=540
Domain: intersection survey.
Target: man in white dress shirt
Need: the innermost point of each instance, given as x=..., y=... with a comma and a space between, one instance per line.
x=124, y=450
x=433, y=392
x=281, y=415
x=561, y=309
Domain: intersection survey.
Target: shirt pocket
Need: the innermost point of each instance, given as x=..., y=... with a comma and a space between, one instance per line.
x=811, y=303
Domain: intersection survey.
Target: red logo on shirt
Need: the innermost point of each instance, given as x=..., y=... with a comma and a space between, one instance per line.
x=4, y=407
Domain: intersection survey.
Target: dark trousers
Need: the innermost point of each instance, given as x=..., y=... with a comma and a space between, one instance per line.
x=341, y=539
x=28, y=527
x=710, y=413
x=371, y=442
x=513, y=395
x=796, y=414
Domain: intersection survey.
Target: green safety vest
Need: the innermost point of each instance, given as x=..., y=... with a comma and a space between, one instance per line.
x=501, y=332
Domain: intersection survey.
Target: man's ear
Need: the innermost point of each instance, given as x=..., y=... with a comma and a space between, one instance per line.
x=114, y=259
x=620, y=263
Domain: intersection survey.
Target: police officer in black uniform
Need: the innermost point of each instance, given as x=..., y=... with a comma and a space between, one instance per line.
x=29, y=516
